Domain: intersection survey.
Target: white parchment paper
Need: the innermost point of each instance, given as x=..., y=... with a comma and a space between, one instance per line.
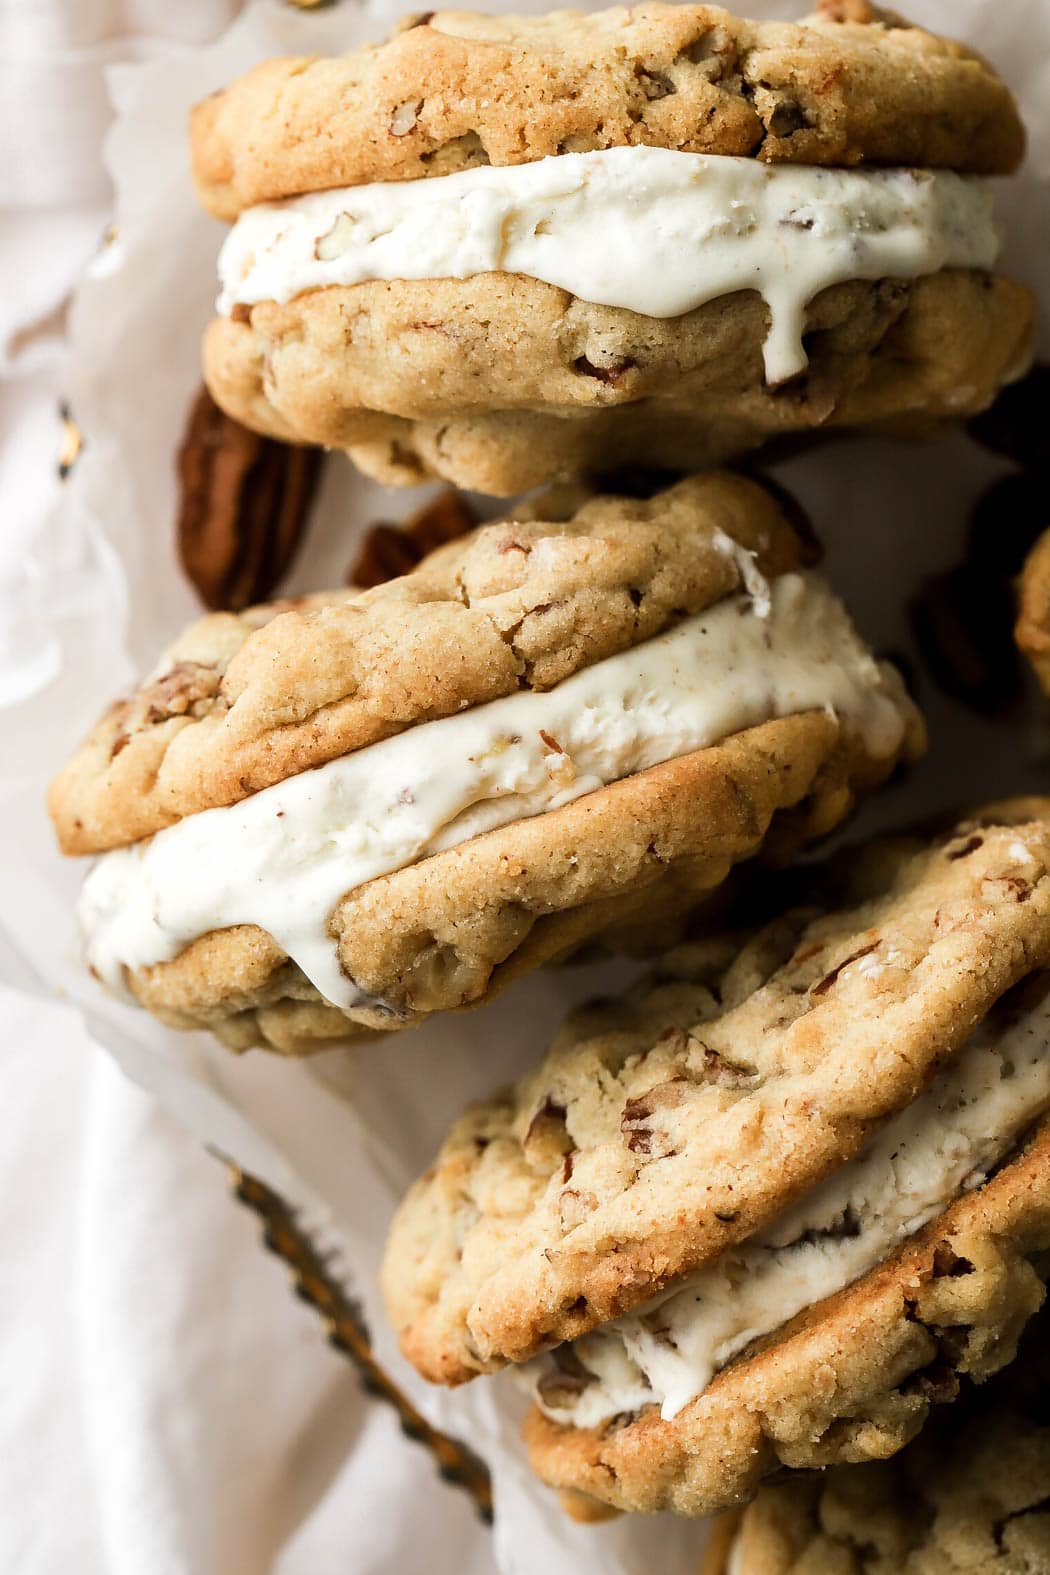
x=341, y=1135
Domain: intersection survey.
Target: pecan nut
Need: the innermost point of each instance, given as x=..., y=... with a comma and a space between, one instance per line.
x=389, y=551
x=244, y=502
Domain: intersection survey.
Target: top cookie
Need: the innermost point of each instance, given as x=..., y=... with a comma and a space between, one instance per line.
x=240, y=702
x=852, y=84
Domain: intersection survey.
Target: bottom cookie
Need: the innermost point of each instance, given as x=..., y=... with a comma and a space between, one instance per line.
x=499, y=383
x=972, y=1494
x=457, y=928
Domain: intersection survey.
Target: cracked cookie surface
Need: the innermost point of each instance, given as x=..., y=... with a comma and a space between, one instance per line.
x=499, y=381
x=453, y=89
x=851, y=1380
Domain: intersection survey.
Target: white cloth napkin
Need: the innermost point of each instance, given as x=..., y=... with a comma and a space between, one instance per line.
x=169, y=1408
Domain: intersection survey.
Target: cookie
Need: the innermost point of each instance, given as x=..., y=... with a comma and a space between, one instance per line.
x=420, y=271
x=749, y=1215
x=853, y=85
x=971, y=1493
x=501, y=383
x=1033, y=620
x=347, y=813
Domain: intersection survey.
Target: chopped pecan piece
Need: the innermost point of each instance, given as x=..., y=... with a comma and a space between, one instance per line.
x=562, y=1387
x=574, y=1207
x=612, y=374
x=938, y=1383
x=640, y=1119
x=405, y=117
x=1000, y=886
x=386, y=554
x=727, y=1074
x=846, y=1228
x=179, y=690
x=678, y=1036
x=963, y=850
x=846, y=11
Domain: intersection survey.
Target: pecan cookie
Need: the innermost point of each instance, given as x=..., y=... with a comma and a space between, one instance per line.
x=972, y=1493
x=346, y=813
x=420, y=270
x=851, y=85
x=762, y=1210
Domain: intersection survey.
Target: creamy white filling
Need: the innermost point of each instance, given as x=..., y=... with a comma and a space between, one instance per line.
x=653, y=230
x=939, y=1147
x=283, y=858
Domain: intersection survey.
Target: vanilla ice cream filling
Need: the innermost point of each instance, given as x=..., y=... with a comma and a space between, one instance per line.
x=941, y=1146
x=283, y=858
x=653, y=230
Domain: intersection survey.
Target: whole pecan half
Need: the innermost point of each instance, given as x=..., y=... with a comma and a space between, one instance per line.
x=244, y=501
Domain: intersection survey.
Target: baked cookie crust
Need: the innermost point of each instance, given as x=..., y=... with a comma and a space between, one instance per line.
x=500, y=382
x=748, y=1085
x=853, y=84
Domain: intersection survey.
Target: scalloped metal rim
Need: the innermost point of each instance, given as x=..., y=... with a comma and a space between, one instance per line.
x=313, y=1283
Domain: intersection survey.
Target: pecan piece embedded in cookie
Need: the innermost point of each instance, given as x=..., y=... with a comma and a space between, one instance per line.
x=842, y=89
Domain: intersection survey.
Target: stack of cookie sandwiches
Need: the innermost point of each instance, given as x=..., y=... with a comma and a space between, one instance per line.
x=793, y=1190
x=505, y=249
